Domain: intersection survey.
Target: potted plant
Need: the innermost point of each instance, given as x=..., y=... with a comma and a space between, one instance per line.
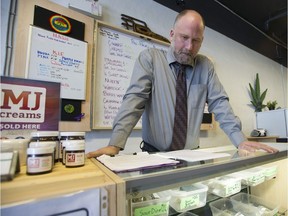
x=257, y=97
x=271, y=105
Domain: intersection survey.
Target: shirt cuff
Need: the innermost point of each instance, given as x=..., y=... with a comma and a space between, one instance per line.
x=118, y=140
x=237, y=138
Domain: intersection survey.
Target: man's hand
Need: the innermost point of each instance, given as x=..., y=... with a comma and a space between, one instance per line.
x=253, y=146
x=108, y=150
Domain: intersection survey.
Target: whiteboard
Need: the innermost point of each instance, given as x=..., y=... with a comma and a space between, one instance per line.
x=57, y=58
x=115, y=53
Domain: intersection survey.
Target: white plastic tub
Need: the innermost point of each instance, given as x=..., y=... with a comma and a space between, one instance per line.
x=251, y=177
x=20, y=145
x=270, y=172
x=224, y=186
x=188, y=197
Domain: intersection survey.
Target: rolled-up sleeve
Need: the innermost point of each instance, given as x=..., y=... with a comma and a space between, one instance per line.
x=218, y=103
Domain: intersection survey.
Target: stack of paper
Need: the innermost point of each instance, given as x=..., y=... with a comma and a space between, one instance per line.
x=135, y=162
x=192, y=155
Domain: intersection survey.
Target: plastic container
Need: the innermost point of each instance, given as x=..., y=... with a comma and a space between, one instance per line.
x=45, y=144
x=47, y=136
x=188, y=197
x=152, y=207
x=75, y=154
x=251, y=177
x=39, y=160
x=77, y=146
x=270, y=172
x=19, y=145
x=68, y=136
x=224, y=186
x=250, y=205
x=223, y=207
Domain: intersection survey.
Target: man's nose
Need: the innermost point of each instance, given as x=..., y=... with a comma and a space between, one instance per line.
x=189, y=45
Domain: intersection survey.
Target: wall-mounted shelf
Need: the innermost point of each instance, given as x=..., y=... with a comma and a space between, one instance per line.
x=263, y=139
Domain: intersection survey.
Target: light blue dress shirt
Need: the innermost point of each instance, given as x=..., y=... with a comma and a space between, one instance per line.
x=152, y=93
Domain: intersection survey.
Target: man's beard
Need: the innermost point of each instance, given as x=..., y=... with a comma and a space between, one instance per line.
x=184, y=57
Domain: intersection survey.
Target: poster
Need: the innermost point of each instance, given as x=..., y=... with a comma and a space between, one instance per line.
x=58, y=58
x=29, y=104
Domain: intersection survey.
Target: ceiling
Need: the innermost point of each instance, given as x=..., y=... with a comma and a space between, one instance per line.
x=260, y=25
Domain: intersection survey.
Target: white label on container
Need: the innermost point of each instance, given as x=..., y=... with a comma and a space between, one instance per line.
x=189, y=202
x=233, y=188
x=74, y=159
x=39, y=164
x=256, y=179
x=152, y=210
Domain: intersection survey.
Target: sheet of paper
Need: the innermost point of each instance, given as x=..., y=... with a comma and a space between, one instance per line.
x=135, y=162
x=192, y=155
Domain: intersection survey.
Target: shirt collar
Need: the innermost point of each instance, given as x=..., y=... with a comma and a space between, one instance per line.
x=171, y=58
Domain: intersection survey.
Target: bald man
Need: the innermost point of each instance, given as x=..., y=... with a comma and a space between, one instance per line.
x=152, y=94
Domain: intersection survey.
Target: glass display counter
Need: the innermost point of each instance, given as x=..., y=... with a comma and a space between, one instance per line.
x=149, y=181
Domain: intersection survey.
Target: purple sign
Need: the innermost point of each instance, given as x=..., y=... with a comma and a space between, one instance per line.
x=29, y=104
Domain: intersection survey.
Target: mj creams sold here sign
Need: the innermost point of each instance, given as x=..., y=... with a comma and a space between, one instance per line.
x=29, y=104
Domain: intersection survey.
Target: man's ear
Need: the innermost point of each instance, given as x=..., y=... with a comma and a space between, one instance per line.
x=171, y=34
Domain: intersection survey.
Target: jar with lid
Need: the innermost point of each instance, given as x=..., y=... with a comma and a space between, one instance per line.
x=75, y=154
x=39, y=160
x=69, y=136
x=45, y=144
x=47, y=136
x=66, y=143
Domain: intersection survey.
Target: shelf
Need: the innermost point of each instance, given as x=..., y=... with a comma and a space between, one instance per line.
x=263, y=139
x=60, y=181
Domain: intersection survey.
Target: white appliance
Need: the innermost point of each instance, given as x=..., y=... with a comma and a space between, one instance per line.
x=274, y=121
x=90, y=202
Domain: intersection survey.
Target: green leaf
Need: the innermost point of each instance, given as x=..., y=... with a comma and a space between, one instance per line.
x=257, y=97
x=263, y=95
x=257, y=86
x=254, y=98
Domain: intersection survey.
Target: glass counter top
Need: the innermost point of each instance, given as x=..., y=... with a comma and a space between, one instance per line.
x=157, y=179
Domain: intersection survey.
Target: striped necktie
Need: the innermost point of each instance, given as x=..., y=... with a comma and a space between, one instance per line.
x=180, y=119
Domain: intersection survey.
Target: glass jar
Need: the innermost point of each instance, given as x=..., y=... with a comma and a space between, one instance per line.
x=69, y=136
x=39, y=160
x=45, y=145
x=47, y=136
x=75, y=154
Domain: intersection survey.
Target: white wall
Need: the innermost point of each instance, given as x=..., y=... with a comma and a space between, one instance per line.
x=235, y=64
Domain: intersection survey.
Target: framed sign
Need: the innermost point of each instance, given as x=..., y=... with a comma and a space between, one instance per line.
x=58, y=58
x=29, y=104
